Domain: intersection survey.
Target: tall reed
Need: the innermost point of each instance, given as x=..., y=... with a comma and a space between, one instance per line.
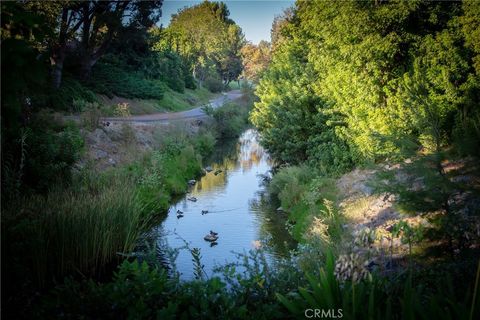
x=67, y=231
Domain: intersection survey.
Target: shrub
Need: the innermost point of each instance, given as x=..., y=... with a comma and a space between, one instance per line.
x=204, y=142
x=308, y=200
x=373, y=299
x=112, y=80
x=91, y=115
x=142, y=291
x=70, y=91
x=190, y=82
x=52, y=148
x=229, y=119
x=214, y=84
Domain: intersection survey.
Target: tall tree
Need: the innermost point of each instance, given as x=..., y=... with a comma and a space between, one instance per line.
x=208, y=39
x=393, y=76
x=87, y=28
x=255, y=59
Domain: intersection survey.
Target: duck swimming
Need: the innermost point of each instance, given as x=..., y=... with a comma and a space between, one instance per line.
x=210, y=238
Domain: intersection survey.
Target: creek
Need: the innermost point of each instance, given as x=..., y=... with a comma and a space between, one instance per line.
x=239, y=210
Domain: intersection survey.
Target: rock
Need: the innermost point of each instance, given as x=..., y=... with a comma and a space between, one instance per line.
x=99, y=154
x=115, y=134
x=192, y=182
x=218, y=172
x=193, y=199
x=408, y=161
x=366, y=190
x=98, y=136
x=112, y=162
x=280, y=209
x=462, y=179
x=208, y=169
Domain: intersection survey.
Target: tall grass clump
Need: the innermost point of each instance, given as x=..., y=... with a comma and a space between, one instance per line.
x=69, y=232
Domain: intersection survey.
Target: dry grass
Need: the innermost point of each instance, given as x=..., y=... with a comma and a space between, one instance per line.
x=355, y=210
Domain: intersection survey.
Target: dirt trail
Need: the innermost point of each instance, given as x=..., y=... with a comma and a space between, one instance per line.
x=195, y=113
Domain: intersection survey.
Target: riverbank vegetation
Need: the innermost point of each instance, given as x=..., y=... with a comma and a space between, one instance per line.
x=88, y=223
x=390, y=89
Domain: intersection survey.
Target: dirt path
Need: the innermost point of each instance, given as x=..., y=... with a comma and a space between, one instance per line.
x=165, y=117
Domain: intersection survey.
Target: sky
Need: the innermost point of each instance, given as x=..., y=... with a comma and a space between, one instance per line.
x=254, y=17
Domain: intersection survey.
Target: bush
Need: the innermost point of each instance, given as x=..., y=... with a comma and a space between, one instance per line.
x=51, y=150
x=229, y=119
x=214, y=84
x=190, y=82
x=70, y=91
x=372, y=298
x=142, y=291
x=308, y=200
x=111, y=80
x=466, y=134
x=91, y=115
x=204, y=143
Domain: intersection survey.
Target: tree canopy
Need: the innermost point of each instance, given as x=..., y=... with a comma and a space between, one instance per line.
x=208, y=39
x=387, y=78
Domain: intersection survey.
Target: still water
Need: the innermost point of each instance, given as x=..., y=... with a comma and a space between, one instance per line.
x=237, y=210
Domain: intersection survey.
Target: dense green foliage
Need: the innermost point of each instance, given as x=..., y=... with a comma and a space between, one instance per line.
x=353, y=82
x=257, y=293
x=112, y=80
x=208, y=40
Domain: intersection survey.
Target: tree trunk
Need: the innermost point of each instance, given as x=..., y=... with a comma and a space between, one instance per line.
x=59, y=51
x=86, y=66
x=57, y=74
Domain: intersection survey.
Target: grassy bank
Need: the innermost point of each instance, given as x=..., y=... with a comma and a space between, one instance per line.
x=171, y=101
x=399, y=233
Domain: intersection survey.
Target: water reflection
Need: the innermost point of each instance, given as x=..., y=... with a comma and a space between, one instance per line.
x=237, y=209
